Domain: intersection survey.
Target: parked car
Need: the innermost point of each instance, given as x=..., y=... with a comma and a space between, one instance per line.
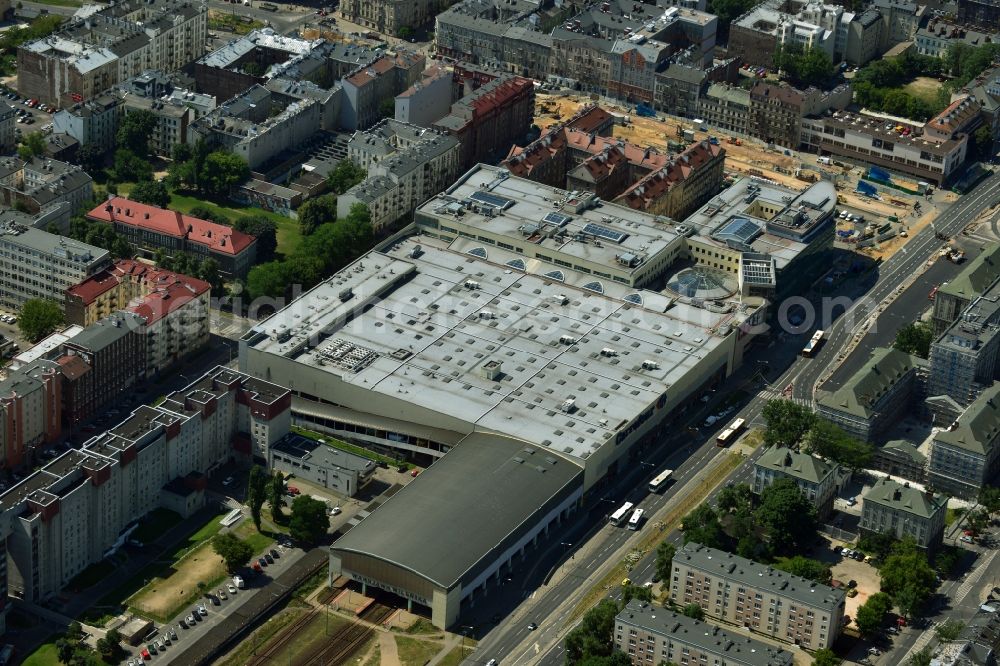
x=335, y=511
x=966, y=538
x=232, y=588
x=269, y=558
x=893, y=630
x=228, y=480
x=274, y=553
x=216, y=601
x=261, y=561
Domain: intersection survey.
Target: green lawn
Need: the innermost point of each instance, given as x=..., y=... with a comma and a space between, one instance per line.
x=289, y=236
x=61, y=3
x=249, y=645
x=350, y=448
x=43, y=656
x=155, y=524
x=456, y=656
x=413, y=652
x=257, y=540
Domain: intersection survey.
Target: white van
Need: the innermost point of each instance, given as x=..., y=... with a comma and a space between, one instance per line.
x=238, y=582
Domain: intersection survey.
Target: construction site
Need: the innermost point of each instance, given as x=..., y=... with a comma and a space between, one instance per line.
x=874, y=219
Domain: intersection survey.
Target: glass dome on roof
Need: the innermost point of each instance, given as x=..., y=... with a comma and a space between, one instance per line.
x=703, y=282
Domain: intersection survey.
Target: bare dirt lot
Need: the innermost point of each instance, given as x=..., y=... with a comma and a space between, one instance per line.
x=163, y=597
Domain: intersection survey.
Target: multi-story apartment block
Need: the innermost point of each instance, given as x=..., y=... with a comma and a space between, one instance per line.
x=109, y=46
x=758, y=597
x=875, y=396
x=816, y=478
x=982, y=14
x=900, y=20
x=490, y=119
x=985, y=88
x=7, y=120
x=940, y=35
x=101, y=364
x=30, y=404
x=93, y=122
x=148, y=228
x=427, y=100
x=42, y=184
x=70, y=513
x=967, y=455
x=976, y=278
x=902, y=511
x=390, y=17
x=777, y=111
x=573, y=155
x=726, y=107
x=864, y=37
x=679, y=89
x=963, y=361
x=37, y=264
x=402, y=173
x=173, y=108
x=371, y=85
x=650, y=634
x=900, y=458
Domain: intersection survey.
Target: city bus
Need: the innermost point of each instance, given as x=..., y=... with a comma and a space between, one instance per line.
x=657, y=484
x=618, y=516
x=813, y=345
x=636, y=519
x=729, y=435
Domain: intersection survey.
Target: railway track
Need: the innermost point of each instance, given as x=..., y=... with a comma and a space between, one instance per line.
x=344, y=644
x=286, y=636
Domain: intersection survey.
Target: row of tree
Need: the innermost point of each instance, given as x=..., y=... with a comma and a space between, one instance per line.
x=794, y=426
x=329, y=248
x=812, y=67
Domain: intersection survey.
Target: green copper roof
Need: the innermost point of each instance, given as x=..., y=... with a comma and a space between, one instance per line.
x=859, y=394
x=792, y=463
x=904, y=496
x=978, y=426
x=977, y=277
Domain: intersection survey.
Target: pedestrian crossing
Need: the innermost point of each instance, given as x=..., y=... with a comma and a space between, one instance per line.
x=775, y=394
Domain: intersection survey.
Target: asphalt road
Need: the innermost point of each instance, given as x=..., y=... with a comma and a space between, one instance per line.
x=511, y=640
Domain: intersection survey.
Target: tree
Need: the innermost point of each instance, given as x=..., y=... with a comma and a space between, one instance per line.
x=270, y=279
x=265, y=230
x=208, y=270
x=404, y=32
x=75, y=631
x=728, y=11
x=982, y=143
x=152, y=192
x=309, y=521
x=65, y=651
x=830, y=441
x=977, y=521
x=630, y=592
x=731, y=498
x=39, y=317
x=221, y=172
x=317, y=211
x=664, y=559
x=134, y=132
x=915, y=339
x=90, y=157
x=387, y=107
x=593, y=636
x=787, y=422
x=32, y=145
x=989, y=497
x=702, y=526
x=130, y=167
x=256, y=493
x=235, y=552
x=826, y=657
x=870, y=615
x=809, y=569
x=788, y=516
x=694, y=610
x=923, y=657
x=877, y=545
x=345, y=175
x=907, y=577
x=276, y=496
x=949, y=629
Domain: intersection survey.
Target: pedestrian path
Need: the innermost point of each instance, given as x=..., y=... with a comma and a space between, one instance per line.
x=388, y=651
x=775, y=394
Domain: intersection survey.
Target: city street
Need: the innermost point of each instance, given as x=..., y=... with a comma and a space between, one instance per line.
x=549, y=605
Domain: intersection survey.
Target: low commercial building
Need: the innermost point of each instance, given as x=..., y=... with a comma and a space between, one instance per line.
x=966, y=456
x=875, y=396
x=816, y=478
x=757, y=597
x=326, y=466
x=37, y=264
x=651, y=634
x=149, y=228
x=934, y=152
x=73, y=511
x=904, y=512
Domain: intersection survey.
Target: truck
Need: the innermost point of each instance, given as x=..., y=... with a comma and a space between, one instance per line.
x=688, y=135
x=824, y=160
x=269, y=6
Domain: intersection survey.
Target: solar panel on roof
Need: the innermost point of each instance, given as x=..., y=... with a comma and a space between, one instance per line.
x=604, y=232
x=478, y=252
x=557, y=218
x=491, y=199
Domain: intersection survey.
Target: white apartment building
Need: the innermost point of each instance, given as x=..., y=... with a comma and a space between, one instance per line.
x=758, y=597
x=37, y=264
x=816, y=478
x=71, y=512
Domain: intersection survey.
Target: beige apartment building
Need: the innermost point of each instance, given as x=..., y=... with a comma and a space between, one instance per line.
x=758, y=597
